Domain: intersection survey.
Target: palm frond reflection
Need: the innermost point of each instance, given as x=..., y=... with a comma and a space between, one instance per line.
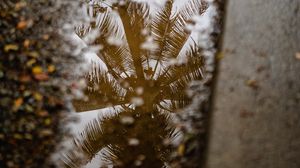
x=149, y=65
x=129, y=138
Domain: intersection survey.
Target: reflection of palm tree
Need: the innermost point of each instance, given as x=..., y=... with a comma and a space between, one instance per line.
x=130, y=138
x=139, y=81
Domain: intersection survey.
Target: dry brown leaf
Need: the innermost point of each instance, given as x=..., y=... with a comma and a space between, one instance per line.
x=297, y=56
x=22, y=24
x=41, y=77
x=18, y=102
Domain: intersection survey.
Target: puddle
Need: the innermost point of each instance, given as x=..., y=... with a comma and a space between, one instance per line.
x=148, y=58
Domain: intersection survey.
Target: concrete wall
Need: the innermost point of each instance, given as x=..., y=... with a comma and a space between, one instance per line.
x=256, y=111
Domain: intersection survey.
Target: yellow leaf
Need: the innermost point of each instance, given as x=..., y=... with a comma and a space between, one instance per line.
x=220, y=55
x=46, y=132
x=31, y=62
x=181, y=149
x=33, y=54
x=10, y=47
x=51, y=68
x=38, y=96
x=28, y=136
x=47, y=121
x=37, y=70
x=18, y=136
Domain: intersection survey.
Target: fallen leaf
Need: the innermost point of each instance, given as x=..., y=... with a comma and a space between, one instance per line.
x=27, y=93
x=1, y=74
x=181, y=149
x=10, y=47
x=43, y=113
x=30, y=62
x=220, y=55
x=28, y=108
x=37, y=70
x=46, y=132
x=28, y=136
x=47, y=121
x=297, y=56
x=37, y=96
x=33, y=54
x=25, y=78
x=41, y=77
x=51, y=68
x=252, y=83
x=46, y=37
x=20, y=5
x=18, y=102
x=18, y=136
x=22, y=24
x=26, y=43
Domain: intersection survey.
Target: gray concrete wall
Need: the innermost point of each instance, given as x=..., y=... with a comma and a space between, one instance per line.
x=256, y=111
